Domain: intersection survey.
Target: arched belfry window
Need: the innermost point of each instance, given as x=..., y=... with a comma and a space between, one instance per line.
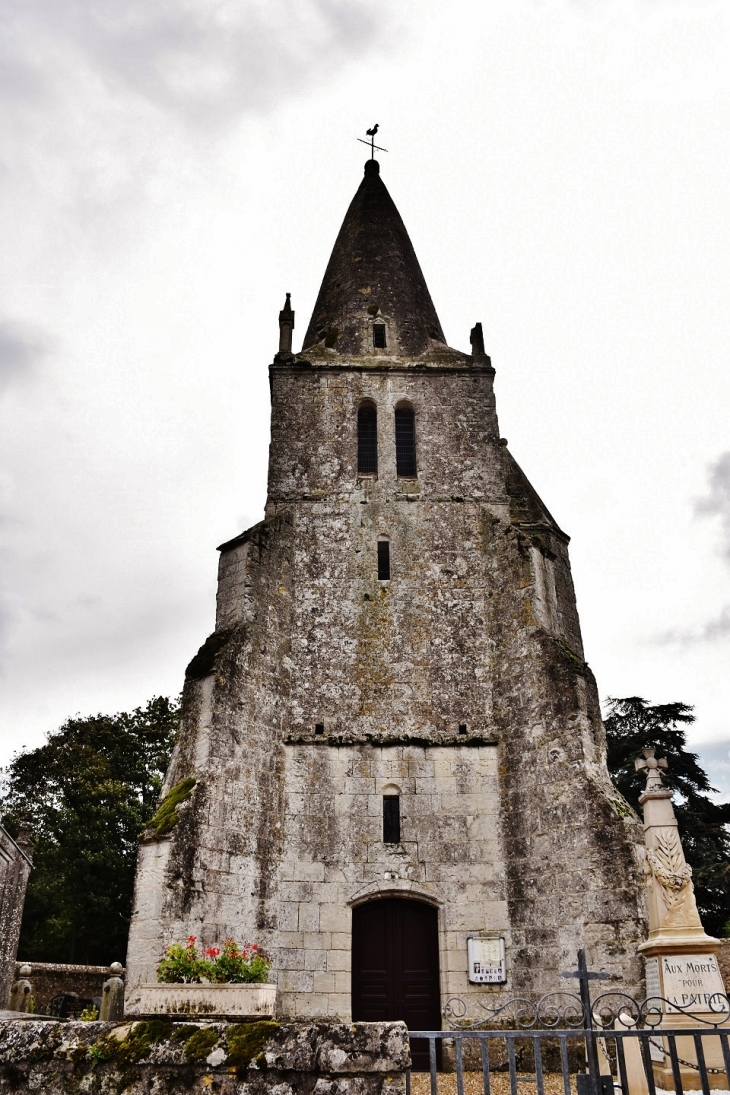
x=405, y=442
x=367, y=440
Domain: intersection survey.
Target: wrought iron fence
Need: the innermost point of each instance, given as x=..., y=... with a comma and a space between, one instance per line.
x=567, y=1044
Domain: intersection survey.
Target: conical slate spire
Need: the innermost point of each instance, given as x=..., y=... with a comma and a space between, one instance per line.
x=373, y=279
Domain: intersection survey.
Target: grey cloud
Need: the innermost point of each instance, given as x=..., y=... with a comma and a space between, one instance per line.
x=21, y=351
x=717, y=501
x=715, y=759
x=206, y=62
x=716, y=630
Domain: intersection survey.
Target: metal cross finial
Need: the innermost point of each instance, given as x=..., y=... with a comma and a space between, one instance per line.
x=651, y=766
x=371, y=134
x=585, y=976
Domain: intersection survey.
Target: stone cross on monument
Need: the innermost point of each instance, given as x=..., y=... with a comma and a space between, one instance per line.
x=651, y=765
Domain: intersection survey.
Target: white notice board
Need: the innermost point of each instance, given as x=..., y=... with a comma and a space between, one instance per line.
x=486, y=960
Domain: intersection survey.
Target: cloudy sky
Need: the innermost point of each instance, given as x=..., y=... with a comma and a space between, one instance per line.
x=170, y=168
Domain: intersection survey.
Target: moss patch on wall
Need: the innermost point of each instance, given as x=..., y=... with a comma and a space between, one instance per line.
x=135, y=1045
x=167, y=817
x=246, y=1041
x=199, y=1045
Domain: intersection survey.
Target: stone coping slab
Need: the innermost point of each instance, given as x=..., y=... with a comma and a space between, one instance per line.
x=325, y=1058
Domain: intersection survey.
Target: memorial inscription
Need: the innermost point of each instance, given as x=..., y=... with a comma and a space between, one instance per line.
x=687, y=981
x=692, y=981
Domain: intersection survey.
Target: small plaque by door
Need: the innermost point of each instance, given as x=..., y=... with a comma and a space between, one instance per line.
x=395, y=967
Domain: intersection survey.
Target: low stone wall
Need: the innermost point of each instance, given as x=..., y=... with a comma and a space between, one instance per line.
x=51, y=978
x=228, y=1058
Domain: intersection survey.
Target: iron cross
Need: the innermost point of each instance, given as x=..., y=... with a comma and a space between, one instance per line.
x=583, y=978
x=371, y=134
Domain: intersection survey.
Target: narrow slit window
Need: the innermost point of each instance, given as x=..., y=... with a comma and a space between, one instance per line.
x=367, y=441
x=383, y=560
x=379, y=336
x=405, y=442
x=391, y=819
x=319, y=728
x=462, y=727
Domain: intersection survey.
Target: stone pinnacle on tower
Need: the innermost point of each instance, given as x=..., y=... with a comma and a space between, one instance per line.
x=286, y=326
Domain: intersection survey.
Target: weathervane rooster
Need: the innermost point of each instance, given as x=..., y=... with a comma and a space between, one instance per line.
x=371, y=134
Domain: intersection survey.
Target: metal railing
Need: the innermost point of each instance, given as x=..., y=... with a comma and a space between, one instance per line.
x=474, y=1051
x=612, y=1045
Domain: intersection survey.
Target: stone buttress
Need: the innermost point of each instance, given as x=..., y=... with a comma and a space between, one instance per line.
x=458, y=684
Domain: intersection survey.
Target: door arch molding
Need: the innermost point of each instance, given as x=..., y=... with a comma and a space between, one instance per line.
x=396, y=887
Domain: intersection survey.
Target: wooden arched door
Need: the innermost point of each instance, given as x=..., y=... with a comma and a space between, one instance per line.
x=395, y=966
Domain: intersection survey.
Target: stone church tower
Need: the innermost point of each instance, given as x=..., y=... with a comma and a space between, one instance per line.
x=391, y=742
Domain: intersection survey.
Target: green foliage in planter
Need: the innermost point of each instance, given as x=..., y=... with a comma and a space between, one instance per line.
x=234, y=965
x=226, y=965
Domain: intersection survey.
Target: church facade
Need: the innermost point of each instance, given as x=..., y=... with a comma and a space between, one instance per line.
x=392, y=748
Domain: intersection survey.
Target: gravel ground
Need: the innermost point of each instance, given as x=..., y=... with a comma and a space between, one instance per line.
x=499, y=1083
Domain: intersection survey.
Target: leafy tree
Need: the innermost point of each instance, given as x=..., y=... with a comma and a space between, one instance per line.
x=632, y=725
x=89, y=791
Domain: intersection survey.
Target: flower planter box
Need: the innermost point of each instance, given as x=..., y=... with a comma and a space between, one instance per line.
x=203, y=1000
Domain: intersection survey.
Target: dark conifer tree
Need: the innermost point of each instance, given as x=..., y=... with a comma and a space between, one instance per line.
x=632, y=725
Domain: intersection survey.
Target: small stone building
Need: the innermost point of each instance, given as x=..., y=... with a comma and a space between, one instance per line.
x=16, y=863
x=392, y=747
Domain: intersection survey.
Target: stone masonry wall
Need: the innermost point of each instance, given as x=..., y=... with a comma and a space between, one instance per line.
x=160, y=1056
x=512, y=825
x=15, y=868
x=49, y=979
x=450, y=854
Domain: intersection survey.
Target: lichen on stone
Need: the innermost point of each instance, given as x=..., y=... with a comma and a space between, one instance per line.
x=167, y=817
x=622, y=808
